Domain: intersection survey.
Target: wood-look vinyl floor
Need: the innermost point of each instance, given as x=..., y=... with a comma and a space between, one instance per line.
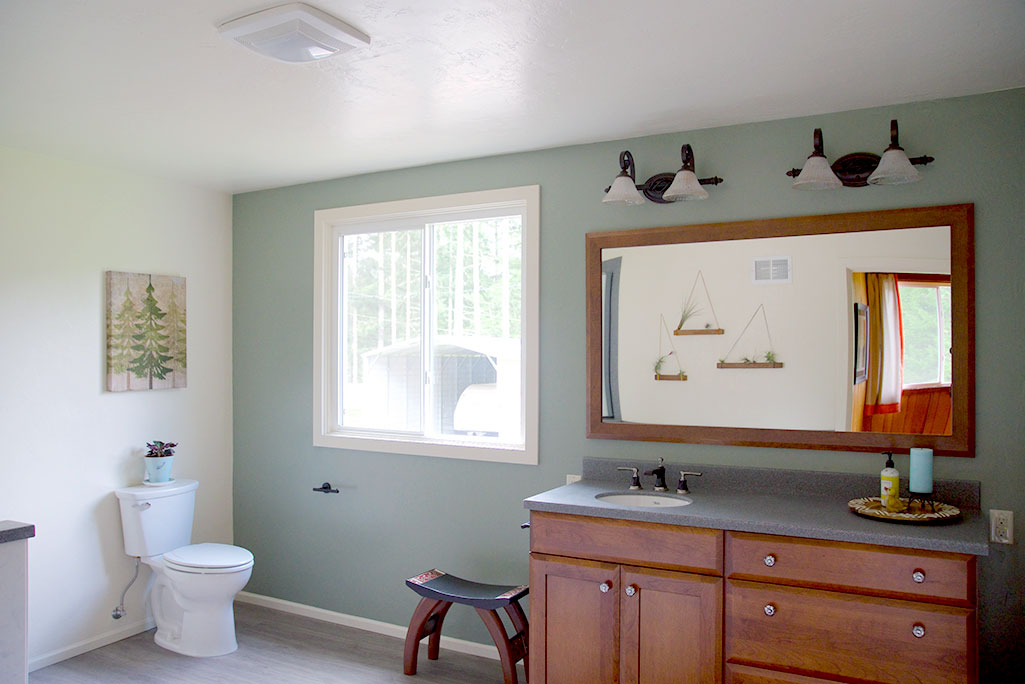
x=273, y=647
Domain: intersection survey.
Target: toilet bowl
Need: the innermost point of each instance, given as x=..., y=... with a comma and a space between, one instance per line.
x=194, y=585
x=193, y=595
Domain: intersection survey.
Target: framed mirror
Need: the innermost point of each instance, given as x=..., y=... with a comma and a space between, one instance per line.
x=850, y=332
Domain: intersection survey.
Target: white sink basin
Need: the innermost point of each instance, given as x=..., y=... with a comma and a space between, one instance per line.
x=644, y=500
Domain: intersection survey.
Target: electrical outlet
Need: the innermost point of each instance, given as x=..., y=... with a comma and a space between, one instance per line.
x=570, y=479
x=1001, y=526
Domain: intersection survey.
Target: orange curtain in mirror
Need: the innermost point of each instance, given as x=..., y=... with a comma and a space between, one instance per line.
x=885, y=345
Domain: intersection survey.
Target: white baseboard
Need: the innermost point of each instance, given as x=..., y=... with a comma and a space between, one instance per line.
x=80, y=647
x=366, y=624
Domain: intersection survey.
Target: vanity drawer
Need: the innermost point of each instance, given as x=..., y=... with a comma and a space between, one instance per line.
x=829, y=634
x=877, y=570
x=652, y=545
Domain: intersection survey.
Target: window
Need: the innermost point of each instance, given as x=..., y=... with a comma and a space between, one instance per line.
x=426, y=321
x=925, y=319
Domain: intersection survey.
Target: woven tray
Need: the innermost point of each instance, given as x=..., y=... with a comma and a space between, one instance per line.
x=872, y=507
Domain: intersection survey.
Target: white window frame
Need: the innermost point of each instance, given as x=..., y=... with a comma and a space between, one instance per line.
x=329, y=225
x=935, y=286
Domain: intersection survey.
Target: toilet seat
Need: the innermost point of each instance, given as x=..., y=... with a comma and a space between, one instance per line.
x=208, y=559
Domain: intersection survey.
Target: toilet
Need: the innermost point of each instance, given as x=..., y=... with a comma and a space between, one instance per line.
x=194, y=584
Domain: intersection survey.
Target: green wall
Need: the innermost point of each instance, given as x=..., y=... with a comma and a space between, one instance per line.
x=397, y=515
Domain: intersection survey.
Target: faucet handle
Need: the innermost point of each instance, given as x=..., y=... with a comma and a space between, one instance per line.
x=635, y=483
x=682, y=488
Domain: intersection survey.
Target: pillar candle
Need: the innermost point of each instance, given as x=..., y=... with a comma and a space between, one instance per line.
x=921, y=471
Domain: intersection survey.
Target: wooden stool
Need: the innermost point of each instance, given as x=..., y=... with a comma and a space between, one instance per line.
x=440, y=591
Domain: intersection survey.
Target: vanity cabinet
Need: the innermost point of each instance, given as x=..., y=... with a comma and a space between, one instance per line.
x=601, y=613
x=643, y=603
x=846, y=612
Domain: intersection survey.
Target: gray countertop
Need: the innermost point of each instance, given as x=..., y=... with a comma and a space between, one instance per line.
x=13, y=531
x=794, y=503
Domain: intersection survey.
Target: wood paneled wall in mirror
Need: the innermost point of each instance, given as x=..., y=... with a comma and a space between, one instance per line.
x=846, y=331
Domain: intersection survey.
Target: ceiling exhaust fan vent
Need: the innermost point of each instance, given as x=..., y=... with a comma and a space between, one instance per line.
x=294, y=32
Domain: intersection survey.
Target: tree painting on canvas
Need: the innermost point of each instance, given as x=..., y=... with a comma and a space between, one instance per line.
x=145, y=331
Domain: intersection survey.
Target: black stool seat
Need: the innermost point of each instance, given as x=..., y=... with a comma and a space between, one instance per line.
x=439, y=591
x=439, y=585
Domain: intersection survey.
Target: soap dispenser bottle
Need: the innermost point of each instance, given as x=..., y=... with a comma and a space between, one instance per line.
x=889, y=484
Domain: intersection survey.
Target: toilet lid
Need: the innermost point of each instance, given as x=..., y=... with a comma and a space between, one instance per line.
x=209, y=555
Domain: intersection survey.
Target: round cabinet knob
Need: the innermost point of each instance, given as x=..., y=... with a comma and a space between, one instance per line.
x=604, y=587
x=918, y=630
x=631, y=590
x=918, y=576
x=769, y=609
x=769, y=560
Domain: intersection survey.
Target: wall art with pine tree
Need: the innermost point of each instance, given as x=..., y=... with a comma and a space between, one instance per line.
x=145, y=332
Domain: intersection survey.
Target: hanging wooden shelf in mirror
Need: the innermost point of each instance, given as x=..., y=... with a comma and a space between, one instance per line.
x=769, y=357
x=691, y=309
x=811, y=403
x=749, y=364
x=679, y=376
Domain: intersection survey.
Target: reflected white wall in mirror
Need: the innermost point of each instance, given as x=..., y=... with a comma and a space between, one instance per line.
x=810, y=320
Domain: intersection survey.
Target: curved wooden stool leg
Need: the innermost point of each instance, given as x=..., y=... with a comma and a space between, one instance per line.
x=506, y=652
x=519, y=623
x=434, y=642
x=417, y=624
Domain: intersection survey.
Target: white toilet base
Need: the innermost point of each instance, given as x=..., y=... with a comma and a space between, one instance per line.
x=204, y=634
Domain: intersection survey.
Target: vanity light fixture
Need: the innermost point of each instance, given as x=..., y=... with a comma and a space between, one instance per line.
x=662, y=188
x=858, y=169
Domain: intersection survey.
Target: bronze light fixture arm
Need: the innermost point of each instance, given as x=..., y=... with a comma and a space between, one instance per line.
x=626, y=166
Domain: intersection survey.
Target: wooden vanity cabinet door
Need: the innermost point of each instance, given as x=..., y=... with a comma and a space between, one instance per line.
x=574, y=625
x=670, y=627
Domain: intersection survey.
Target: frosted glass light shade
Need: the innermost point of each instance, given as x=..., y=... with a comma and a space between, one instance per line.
x=623, y=190
x=816, y=175
x=894, y=168
x=685, y=186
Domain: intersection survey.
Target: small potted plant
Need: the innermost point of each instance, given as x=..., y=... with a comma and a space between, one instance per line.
x=159, y=457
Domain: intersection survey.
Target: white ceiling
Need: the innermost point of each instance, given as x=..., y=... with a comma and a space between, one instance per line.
x=149, y=85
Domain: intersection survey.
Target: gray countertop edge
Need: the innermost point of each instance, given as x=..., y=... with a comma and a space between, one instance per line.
x=11, y=531
x=823, y=518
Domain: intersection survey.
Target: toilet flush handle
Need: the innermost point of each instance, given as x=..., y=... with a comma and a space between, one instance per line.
x=142, y=506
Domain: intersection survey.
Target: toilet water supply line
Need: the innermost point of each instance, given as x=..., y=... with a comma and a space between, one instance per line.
x=119, y=610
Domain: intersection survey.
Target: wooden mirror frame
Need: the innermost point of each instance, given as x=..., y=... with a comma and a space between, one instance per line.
x=960, y=218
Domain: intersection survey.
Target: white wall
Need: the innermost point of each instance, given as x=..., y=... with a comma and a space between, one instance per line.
x=807, y=319
x=66, y=442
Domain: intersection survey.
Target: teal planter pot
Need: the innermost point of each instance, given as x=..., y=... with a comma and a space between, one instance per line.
x=158, y=468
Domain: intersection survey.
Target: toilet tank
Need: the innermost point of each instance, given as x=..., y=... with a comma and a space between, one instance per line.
x=156, y=520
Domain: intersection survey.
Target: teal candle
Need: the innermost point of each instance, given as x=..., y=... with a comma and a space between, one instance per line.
x=921, y=471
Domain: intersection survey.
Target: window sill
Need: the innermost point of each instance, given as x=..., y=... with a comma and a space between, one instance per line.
x=421, y=446
x=926, y=386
